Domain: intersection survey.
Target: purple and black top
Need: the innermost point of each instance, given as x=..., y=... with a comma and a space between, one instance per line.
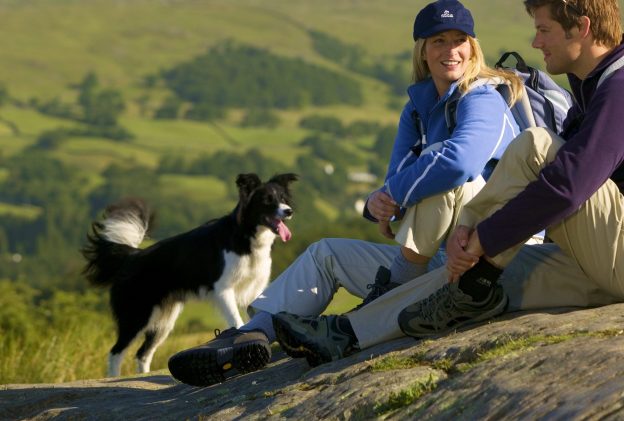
x=592, y=154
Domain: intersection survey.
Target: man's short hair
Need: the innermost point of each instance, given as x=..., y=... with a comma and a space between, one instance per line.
x=604, y=15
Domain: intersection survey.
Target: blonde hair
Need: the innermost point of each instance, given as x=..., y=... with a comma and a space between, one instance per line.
x=476, y=69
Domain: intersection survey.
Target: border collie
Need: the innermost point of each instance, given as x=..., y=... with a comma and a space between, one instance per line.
x=230, y=257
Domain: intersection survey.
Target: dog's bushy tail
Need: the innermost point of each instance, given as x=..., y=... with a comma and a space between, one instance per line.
x=114, y=239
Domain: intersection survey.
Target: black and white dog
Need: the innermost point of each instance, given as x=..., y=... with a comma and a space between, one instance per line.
x=230, y=257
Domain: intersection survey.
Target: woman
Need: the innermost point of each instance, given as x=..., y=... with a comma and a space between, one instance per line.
x=433, y=171
x=435, y=183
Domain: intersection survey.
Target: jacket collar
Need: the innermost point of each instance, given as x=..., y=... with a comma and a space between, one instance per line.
x=615, y=54
x=423, y=95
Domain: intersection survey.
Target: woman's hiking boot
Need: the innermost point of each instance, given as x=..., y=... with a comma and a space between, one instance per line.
x=318, y=339
x=381, y=285
x=231, y=352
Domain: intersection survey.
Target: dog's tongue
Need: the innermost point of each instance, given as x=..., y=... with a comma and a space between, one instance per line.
x=283, y=231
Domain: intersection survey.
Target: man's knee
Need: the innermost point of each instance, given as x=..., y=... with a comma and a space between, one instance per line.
x=539, y=142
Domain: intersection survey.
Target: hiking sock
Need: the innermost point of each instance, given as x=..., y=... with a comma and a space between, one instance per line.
x=402, y=270
x=262, y=320
x=479, y=280
x=344, y=325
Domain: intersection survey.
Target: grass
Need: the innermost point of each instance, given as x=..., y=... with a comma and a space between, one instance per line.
x=407, y=396
x=194, y=186
x=78, y=349
x=99, y=153
x=28, y=212
x=394, y=362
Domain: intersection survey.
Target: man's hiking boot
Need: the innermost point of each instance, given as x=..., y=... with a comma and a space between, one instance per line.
x=381, y=285
x=318, y=339
x=448, y=309
x=231, y=352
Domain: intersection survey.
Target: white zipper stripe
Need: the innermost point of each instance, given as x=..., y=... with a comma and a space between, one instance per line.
x=500, y=138
x=410, y=153
x=418, y=180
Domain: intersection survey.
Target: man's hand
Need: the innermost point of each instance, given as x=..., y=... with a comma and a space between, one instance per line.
x=381, y=206
x=462, y=251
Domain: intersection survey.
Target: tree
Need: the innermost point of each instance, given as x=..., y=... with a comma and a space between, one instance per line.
x=230, y=75
x=4, y=94
x=204, y=112
x=324, y=124
x=169, y=109
x=86, y=89
x=105, y=108
x=123, y=182
x=384, y=142
x=260, y=117
x=100, y=107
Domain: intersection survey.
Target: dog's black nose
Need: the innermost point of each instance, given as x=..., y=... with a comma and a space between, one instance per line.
x=287, y=212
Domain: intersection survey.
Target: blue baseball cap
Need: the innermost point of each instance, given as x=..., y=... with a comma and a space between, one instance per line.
x=443, y=15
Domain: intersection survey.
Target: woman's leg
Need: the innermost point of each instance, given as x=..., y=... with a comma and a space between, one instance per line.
x=425, y=227
x=308, y=285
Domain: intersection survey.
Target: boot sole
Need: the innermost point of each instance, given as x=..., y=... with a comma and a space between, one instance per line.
x=204, y=367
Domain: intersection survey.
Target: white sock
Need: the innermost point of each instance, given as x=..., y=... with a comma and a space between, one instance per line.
x=263, y=321
x=402, y=270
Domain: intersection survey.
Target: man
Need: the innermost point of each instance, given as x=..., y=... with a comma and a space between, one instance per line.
x=571, y=185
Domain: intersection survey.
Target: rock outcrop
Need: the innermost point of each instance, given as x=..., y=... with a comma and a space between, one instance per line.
x=558, y=364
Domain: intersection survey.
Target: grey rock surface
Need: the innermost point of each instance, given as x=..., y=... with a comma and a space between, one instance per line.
x=559, y=364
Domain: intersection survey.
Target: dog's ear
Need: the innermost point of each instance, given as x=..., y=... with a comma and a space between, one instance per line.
x=284, y=179
x=246, y=184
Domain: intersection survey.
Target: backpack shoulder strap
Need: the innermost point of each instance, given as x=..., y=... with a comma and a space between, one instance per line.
x=450, y=109
x=520, y=63
x=521, y=110
x=610, y=70
x=419, y=145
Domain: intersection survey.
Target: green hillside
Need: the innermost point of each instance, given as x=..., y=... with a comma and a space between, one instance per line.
x=51, y=48
x=65, y=60
x=49, y=44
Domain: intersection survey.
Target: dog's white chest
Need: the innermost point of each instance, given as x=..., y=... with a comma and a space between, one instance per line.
x=247, y=267
x=247, y=275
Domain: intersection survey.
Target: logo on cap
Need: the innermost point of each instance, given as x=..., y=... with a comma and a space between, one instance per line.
x=446, y=14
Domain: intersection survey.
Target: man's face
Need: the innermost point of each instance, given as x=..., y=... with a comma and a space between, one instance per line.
x=560, y=50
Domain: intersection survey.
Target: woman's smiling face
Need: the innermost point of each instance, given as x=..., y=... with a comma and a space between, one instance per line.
x=447, y=55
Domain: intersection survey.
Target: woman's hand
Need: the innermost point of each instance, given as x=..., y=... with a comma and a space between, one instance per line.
x=459, y=260
x=381, y=206
x=386, y=230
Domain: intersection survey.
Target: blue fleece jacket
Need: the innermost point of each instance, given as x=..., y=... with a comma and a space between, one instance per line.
x=485, y=126
x=592, y=154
